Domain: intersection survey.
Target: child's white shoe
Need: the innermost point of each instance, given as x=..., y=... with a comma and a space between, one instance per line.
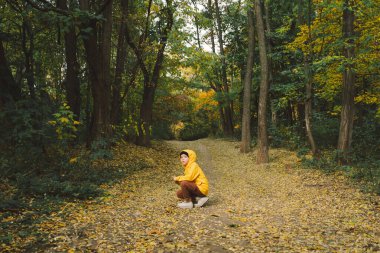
x=185, y=205
x=201, y=202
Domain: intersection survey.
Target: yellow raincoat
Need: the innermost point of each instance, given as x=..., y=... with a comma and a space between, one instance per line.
x=194, y=173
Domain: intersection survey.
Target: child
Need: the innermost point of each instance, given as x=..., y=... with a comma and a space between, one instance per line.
x=193, y=184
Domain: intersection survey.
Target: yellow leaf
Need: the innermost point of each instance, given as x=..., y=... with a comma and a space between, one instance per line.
x=64, y=120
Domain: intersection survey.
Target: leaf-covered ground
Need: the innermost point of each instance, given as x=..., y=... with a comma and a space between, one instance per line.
x=272, y=208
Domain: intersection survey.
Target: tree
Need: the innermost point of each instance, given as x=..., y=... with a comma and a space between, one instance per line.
x=227, y=110
x=308, y=58
x=262, y=135
x=72, y=83
x=246, y=126
x=150, y=75
x=347, y=113
x=116, y=101
x=10, y=92
x=97, y=43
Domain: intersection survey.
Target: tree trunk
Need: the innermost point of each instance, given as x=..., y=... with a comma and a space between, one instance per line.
x=98, y=61
x=150, y=77
x=227, y=104
x=146, y=114
x=246, y=126
x=309, y=88
x=72, y=83
x=196, y=22
x=262, y=138
x=28, y=39
x=211, y=17
x=347, y=114
x=271, y=69
x=116, y=104
x=10, y=92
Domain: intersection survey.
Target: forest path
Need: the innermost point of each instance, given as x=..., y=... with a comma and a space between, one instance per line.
x=271, y=208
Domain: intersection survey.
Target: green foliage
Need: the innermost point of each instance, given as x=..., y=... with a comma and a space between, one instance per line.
x=162, y=130
x=285, y=136
x=366, y=140
x=193, y=131
x=64, y=125
x=100, y=149
x=325, y=130
x=23, y=136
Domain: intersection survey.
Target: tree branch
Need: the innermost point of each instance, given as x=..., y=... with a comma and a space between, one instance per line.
x=47, y=8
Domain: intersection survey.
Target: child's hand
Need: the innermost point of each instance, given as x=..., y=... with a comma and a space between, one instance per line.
x=174, y=178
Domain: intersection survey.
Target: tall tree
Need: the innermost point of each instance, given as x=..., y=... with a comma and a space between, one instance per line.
x=308, y=58
x=27, y=43
x=72, y=83
x=97, y=43
x=347, y=113
x=116, y=101
x=150, y=75
x=246, y=126
x=262, y=134
x=10, y=92
x=228, y=117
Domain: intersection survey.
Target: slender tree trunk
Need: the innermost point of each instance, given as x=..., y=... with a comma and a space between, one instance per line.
x=196, y=22
x=347, y=114
x=227, y=108
x=72, y=83
x=28, y=48
x=262, y=138
x=217, y=87
x=150, y=77
x=309, y=88
x=211, y=17
x=246, y=126
x=271, y=69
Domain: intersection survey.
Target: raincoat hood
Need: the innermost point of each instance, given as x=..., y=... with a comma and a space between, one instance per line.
x=192, y=157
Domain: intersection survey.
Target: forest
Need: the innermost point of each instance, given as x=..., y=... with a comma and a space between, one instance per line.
x=83, y=80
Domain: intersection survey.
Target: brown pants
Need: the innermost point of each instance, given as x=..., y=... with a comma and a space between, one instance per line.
x=189, y=190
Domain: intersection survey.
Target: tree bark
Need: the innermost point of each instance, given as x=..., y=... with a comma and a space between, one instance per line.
x=309, y=88
x=116, y=103
x=347, y=114
x=262, y=138
x=151, y=77
x=228, y=124
x=72, y=83
x=10, y=92
x=211, y=17
x=246, y=126
x=98, y=61
x=28, y=49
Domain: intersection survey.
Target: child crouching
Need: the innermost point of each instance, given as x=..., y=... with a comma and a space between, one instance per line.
x=194, y=184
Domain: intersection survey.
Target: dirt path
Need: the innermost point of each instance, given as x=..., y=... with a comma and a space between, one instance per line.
x=273, y=208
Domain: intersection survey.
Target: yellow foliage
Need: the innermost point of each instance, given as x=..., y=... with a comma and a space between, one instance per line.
x=205, y=100
x=52, y=122
x=73, y=160
x=64, y=120
x=323, y=38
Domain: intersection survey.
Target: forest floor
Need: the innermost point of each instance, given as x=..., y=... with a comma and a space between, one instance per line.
x=277, y=207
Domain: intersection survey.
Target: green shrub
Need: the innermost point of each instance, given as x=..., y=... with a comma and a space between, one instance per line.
x=193, y=132
x=325, y=130
x=161, y=130
x=285, y=136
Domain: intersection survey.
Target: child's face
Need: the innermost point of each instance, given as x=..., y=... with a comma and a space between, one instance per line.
x=184, y=159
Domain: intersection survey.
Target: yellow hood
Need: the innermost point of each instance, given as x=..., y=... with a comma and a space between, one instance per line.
x=192, y=157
